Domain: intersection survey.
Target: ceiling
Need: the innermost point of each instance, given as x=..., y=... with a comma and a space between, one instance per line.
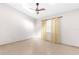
x=51, y=8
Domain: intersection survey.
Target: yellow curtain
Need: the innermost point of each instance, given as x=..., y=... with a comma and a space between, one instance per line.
x=55, y=30
x=43, y=32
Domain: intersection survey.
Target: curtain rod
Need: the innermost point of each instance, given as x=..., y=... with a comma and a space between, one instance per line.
x=53, y=18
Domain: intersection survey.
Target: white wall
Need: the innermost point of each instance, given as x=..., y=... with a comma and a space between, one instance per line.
x=13, y=25
x=70, y=28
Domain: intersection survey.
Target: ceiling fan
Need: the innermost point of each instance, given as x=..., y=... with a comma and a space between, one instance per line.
x=37, y=8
